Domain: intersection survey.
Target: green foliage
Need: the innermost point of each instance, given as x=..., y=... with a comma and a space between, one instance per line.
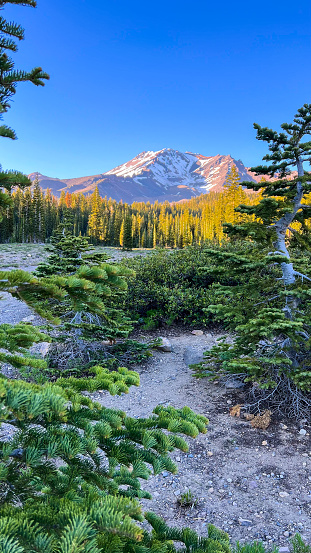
x=115, y=382
x=69, y=475
x=33, y=291
x=141, y=225
x=173, y=287
x=15, y=341
x=48, y=427
x=269, y=348
x=10, y=76
x=254, y=547
x=299, y=546
x=66, y=251
x=91, y=286
x=187, y=499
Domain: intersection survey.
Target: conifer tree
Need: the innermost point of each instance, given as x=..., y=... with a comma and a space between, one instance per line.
x=70, y=476
x=38, y=213
x=90, y=285
x=127, y=233
x=66, y=250
x=95, y=229
x=267, y=298
x=233, y=196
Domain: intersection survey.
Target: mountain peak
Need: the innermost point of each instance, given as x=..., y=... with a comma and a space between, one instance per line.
x=165, y=174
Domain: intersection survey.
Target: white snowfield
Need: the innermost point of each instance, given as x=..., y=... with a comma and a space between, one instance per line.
x=169, y=167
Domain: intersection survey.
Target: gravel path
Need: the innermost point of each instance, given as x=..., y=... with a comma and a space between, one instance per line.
x=251, y=490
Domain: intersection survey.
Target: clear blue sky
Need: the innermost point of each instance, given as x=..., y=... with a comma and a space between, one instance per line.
x=128, y=76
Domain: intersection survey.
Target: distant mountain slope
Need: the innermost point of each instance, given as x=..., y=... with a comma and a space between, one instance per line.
x=163, y=175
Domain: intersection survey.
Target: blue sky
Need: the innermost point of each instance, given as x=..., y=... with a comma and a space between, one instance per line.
x=129, y=76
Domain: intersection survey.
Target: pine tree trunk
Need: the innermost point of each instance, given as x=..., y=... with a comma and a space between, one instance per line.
x=282, y=226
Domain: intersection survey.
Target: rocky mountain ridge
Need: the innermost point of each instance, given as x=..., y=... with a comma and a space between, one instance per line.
x=162, y=175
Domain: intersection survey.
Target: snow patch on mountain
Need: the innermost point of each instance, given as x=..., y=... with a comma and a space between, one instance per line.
x=167, y=167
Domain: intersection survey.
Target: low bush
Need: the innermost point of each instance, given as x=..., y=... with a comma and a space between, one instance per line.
x=173, y=286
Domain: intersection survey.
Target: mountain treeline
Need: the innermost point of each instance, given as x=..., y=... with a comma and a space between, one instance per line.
x=35, y=214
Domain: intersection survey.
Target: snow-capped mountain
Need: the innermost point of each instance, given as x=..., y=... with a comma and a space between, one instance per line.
x=162, y=175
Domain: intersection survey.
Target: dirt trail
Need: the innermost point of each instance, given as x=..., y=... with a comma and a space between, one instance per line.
x=251, y=490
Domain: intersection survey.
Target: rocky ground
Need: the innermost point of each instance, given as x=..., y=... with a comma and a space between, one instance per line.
x=255, y=484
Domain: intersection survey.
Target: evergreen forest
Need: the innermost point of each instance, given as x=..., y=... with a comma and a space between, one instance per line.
x=34, y=214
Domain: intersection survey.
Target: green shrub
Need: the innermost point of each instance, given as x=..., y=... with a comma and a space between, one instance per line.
x=173, y=286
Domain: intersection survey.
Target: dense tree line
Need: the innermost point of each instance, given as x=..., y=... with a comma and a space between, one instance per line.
x=34, y=214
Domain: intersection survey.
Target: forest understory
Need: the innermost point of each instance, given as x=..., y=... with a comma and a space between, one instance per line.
x=252, y=483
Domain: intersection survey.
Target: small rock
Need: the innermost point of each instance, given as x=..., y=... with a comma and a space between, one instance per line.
x=245, y=522
x=283, y=494
x=234, y=384
x=44, y=348
x=286, y=534
x=192, y=356
x=197, y=332
x=283, y=549
x=253, y=484
x=165, y=473
x=28, y=319
x=165, y=345
x=284, y=427
x=210, y=453
x=264, y=442
x=302, y=432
